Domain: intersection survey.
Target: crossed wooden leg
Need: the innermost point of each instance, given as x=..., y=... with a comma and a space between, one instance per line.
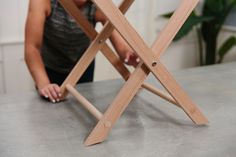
x=80, y=67
x=150, y=63
x=97, y=44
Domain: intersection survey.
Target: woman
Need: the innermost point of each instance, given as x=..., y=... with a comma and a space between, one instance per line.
x=54, y=43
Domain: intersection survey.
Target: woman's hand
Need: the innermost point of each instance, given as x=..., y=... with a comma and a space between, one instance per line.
x=51, y=92
x=131, y=58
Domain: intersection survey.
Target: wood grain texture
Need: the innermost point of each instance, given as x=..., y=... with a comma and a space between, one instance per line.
x=106, y=50
x=126, y=94
x=114, y=111
x=150, y=63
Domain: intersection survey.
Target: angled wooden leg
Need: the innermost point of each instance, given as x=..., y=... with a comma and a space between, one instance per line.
x=128, y=91
x=179, y=95
x=131, y=36
x=83, y=64
x=149, y=58
x=97, y=44
x=106, y=50
x=150, y=63
x=114, y=111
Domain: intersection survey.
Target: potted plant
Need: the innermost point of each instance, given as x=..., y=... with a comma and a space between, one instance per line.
x=208, y=25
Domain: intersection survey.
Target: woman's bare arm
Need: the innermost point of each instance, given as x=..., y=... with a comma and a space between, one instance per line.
x=37, y=13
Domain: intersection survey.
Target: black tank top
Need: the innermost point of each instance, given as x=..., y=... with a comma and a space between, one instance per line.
x=63, y=41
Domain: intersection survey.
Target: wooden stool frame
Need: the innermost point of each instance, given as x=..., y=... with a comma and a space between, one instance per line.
x=150, y=62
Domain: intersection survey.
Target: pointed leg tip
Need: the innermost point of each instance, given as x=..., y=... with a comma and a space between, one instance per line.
x=88, y=143
x=91, y=140
x=202, y=122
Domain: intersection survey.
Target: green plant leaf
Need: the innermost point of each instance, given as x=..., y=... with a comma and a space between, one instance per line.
x=234, y=2
x=167, y=15
x=191, y=22
x=226, y=46
x=215, y=6
x=218, y=10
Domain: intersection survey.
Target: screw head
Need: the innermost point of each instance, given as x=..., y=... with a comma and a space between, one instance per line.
x=154, y=63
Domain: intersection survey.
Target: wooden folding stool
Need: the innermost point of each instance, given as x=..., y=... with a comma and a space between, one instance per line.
x=150, y=62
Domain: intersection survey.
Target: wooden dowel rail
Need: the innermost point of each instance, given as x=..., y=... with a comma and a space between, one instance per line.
x=124, y=72
x=159, y=93
x=97, y=114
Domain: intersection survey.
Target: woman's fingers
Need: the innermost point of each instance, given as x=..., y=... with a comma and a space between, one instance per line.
x=47, y=91
x=43, y=93
x=134, y=60
x=57, y=89
x=51, y=91
x=127, y=58
x=131, y=59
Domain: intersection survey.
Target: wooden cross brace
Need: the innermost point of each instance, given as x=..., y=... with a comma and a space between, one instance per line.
x=150, y=62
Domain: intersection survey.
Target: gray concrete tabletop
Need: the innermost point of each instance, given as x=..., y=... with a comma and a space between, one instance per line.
x=150, y=127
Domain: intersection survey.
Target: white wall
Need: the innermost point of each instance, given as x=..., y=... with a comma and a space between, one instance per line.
x=12, y=19
x=14, y=76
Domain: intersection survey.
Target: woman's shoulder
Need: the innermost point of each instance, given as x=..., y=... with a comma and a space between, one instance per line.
x=42, y=6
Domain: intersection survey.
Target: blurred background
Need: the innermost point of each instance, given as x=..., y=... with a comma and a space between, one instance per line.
x=145, y=15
